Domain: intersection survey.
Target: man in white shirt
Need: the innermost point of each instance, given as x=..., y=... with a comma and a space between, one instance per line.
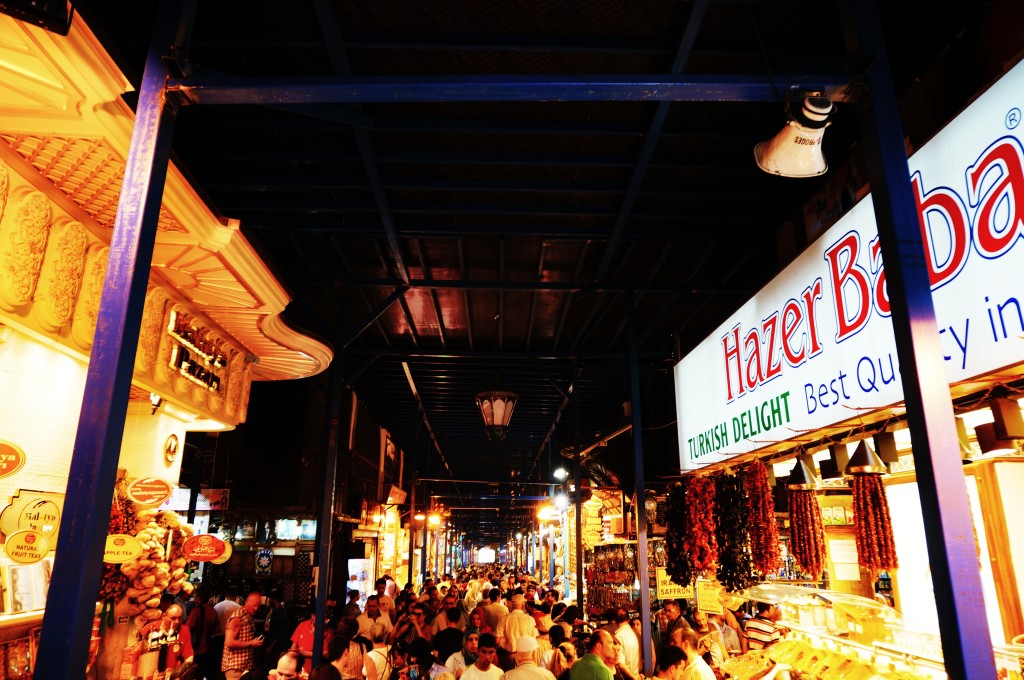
x=385, y=603
x=516, y=625
x=372, y=615
x=484, y=668
x=627, y=639
x=526, y=668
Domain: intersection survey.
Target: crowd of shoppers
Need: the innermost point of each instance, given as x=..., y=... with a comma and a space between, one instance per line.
x=483, y=625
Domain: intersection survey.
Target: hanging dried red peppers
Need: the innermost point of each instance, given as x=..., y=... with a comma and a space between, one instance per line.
x=764, y=533
x=735, y=571
x=807, y=533
x=876, y=548
x=114, y=584
x=700, y=539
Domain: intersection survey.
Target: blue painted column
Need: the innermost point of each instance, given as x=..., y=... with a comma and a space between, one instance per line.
x=956, y=572
x=638, y=506
x=325, y=527
x=67, y=623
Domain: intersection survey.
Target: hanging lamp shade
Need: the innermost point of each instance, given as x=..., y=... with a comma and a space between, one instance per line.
x=865, y=461
x=802, y=477
x=496, y=407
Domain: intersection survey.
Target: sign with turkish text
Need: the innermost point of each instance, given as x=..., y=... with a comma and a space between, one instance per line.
x=121, y=548
x=203, y=548
x=36, y=510
x=12, y=459
x=26, y=546
x=709, y=597
x=150, y=491
x=815, y=346
x=228, y=549
x=667, y=589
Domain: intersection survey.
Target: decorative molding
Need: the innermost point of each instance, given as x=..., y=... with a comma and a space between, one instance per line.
x=150, y=330
x=87, y=309
x=62, y=276
x=23, y=236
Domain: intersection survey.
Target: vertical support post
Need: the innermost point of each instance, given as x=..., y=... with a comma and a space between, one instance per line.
x=412, y=530
x=325, y=527
x=577, y=474
x=956, y=574
x=638, y=463
x=67, y=626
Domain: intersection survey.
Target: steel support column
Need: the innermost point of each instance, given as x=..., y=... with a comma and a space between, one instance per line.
x=67, y=625
x=336, y=391
x=638, y=467
x=577, y=474
x=956, y=574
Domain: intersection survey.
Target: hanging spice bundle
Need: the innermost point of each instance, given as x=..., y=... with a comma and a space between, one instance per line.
x=807, y=534
x=876, y=549
x=735, y=571
x=679, y=566
x=700, y=539
x=114, y=584
x=764, y=533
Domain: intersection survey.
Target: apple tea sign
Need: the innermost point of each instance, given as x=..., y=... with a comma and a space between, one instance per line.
x=203, y=548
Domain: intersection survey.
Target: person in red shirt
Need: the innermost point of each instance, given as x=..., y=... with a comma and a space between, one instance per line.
x=302, y=640
x=171, y=637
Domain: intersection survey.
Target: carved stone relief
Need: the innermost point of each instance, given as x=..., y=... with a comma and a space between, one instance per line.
x=23, y=236
x=150, y=330
x=61, y=279
x=87, y=310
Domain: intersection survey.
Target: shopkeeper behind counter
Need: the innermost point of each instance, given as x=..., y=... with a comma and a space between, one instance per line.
x=761, y=630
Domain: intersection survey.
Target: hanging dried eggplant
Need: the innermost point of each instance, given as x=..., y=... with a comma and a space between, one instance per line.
x=735, y=570
x=679, y=566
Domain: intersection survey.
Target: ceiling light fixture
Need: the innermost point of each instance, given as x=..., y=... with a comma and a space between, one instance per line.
x=796, y=150
x=865, y=461
x=802, y=477
x=496, y=406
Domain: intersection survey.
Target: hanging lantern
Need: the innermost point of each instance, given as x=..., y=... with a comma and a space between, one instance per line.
x=496, y=407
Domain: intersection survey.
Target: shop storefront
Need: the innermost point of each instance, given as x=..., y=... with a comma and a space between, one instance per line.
x=210, y=327
x=808, y=368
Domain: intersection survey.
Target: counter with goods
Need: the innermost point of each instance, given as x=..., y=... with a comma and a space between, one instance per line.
x=612, y=577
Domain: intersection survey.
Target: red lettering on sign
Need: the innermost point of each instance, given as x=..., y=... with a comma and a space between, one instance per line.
x=996, y=187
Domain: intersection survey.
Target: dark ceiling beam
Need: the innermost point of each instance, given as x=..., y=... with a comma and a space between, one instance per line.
x=652, y=275
x=653, y=133
x=663, y=314
x=374, y=315
x=326, y=206
x=727, y=228
x=600, y=307
x=502, y=88
x=539, y=275
x=553, y=286
x=322, y=282
x=504, y=43
x=425, y=268
x=465, y=293
x=411, y=354
x=580, y=260
x=389, y=266
x=342, y=256
x=501, y=294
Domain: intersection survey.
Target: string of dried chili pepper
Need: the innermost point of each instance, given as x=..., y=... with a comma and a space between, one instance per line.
x=764, y=533
x=807, y=532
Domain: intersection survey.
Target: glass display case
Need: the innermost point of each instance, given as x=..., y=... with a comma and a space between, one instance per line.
x=836, y=635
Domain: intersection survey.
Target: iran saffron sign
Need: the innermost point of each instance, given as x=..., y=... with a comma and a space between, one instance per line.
x=815, y=346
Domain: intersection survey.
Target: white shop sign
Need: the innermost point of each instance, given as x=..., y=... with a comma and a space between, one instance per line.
x=815, y=346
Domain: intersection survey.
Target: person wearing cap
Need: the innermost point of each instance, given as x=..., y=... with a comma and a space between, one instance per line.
x=526, y=666
x=516, y=625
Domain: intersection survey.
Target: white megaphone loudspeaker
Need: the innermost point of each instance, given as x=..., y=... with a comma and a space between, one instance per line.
x=796, y=150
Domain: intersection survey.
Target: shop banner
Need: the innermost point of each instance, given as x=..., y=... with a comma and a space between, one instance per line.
x=815, y=346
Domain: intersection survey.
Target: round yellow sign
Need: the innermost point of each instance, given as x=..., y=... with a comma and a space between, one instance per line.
x=225, y=556
x=121, y=548
x=27, y=547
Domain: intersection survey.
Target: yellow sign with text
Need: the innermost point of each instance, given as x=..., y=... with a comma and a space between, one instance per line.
x=709, y=597
x=668, y=590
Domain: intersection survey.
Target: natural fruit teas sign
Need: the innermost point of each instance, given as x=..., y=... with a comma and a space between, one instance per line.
x=27, y=546
x=815, y=346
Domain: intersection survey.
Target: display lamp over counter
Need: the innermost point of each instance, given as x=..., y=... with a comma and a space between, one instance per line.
x=496, y=406
x=802, y=477
x=865, y=461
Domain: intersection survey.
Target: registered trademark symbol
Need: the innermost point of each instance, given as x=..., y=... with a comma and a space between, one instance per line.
x=1013, y=118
